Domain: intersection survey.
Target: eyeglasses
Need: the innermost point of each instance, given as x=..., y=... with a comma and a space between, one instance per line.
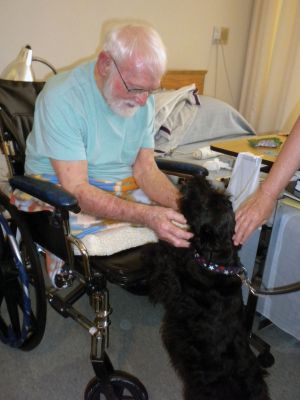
x=133, y=90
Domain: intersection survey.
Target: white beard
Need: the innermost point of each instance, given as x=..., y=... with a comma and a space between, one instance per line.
x=124, y=108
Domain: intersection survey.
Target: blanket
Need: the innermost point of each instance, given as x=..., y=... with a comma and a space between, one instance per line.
x=102, y=237
x=175, y=111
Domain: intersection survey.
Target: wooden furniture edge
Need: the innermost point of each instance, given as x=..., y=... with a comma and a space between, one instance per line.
x=175, y=79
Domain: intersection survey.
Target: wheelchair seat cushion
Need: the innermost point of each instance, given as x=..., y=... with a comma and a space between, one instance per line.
x=113, y=241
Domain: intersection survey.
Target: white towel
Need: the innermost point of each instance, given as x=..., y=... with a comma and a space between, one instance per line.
x=244, y=179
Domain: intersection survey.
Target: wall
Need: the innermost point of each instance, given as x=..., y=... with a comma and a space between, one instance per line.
x=65, y=32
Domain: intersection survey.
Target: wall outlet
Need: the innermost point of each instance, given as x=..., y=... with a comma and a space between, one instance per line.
x=220, y=35
x=216, y=35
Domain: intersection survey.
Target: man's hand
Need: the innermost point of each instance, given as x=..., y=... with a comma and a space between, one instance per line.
x=253, y=213
x=164, y=223
x=94, y=201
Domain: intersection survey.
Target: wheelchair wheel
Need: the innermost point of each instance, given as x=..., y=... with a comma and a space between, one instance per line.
x=125, y=387
x=22, y=290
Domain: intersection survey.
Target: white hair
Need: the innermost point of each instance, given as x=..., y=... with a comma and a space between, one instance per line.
x=139, y=43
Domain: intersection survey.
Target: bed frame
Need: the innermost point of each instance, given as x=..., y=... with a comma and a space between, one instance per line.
x=175, y=79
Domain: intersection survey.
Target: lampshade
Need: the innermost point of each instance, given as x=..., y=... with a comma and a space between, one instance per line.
x=21, y=68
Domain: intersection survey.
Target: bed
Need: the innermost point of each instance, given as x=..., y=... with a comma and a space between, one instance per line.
x=186, y=120
x=175, y=79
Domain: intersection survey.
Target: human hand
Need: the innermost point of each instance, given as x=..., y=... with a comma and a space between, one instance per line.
x=167, y=223
x=253, y=213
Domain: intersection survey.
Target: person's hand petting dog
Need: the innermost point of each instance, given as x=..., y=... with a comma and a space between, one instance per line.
x=252, y=214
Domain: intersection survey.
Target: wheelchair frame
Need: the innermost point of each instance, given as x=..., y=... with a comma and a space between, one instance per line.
x=24, y=236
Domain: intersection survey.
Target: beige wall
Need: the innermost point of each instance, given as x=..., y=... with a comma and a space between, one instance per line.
x=67, y=31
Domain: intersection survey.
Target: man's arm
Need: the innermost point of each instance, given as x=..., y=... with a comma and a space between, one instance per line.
x=73, y=176
x=153, y=181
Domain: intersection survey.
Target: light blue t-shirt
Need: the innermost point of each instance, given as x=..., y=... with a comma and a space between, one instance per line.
x=72, y=121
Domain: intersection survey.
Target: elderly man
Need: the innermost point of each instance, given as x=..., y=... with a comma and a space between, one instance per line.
x=95, y=123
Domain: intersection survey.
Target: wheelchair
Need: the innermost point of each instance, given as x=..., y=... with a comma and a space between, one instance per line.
x=24, y=238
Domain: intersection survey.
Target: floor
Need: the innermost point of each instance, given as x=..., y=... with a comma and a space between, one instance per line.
x=59, y=368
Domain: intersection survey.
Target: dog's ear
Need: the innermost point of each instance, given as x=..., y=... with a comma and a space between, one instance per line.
x=209, y=213
x=162, y=273
x=193, y=190
x=194, y=201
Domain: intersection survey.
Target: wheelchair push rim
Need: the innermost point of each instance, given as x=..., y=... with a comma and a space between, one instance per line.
x=22, y=290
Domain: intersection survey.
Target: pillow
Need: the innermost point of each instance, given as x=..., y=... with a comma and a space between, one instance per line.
x=216, y=119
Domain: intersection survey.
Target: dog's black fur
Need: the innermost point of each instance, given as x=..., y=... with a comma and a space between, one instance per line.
x=203, y=329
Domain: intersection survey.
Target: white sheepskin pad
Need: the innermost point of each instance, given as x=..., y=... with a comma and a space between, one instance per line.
x=112, y=241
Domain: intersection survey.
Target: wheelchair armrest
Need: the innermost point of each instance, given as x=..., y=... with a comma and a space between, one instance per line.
x=46, y=191
x=179, y=168
x=59, y=198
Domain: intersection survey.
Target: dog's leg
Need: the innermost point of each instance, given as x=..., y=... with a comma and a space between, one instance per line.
x=161, y=263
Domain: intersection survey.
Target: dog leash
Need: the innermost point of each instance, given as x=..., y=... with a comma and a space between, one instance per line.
x=261, y=292
x=241, y=272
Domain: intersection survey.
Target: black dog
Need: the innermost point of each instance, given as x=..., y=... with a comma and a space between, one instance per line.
x=203, y=329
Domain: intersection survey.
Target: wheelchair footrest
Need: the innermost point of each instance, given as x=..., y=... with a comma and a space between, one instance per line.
x=58, y=304
x=63, y=304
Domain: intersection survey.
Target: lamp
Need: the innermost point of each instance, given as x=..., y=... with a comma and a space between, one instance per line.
x=21, y=68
